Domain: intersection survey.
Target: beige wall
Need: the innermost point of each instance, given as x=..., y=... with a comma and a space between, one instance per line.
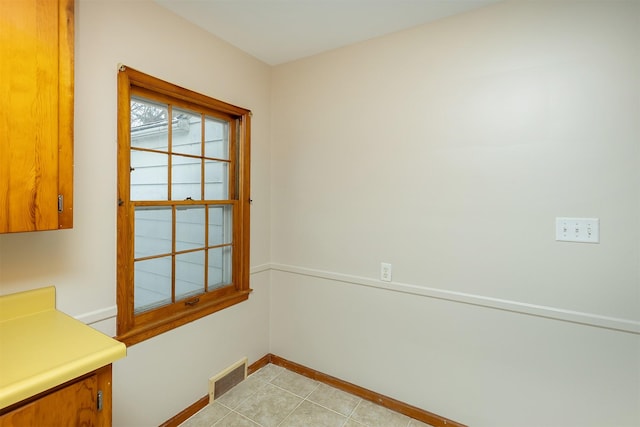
x=161, y=376
x=448, y=150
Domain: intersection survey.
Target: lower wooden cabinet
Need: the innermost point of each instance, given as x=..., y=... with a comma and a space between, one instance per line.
x=84, y=401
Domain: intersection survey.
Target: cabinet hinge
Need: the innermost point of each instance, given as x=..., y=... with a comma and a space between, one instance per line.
x=60, y=202
x=99, y=400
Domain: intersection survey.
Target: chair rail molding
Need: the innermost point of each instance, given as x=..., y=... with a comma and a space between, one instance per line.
x=582, y=318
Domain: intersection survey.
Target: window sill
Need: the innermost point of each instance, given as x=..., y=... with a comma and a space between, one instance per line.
x=151, y=329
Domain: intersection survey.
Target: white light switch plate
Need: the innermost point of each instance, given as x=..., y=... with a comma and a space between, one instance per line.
x=582, y=230
x=385, y=272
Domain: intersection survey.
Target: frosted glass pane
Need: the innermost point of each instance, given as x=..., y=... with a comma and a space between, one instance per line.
x=216, y=180
x=186, y=178
x=219, y=267
x=189, y=274
x=190, y=227
x=152, y=283
x=149, y=176
x=153, y=231
x=187, y=132
x=216, y=138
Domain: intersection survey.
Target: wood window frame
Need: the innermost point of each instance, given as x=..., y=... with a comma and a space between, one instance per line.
x=131, y=327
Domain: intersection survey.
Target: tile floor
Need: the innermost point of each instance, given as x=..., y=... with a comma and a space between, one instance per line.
x=276, y=397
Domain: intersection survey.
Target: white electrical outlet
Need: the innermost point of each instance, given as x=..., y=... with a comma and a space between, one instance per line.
x=385, y=272
x=582, y=230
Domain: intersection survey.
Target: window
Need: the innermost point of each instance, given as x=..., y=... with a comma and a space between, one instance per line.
x=183, y=205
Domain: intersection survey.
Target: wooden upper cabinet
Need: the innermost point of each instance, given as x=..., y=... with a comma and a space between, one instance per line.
x=36, y=115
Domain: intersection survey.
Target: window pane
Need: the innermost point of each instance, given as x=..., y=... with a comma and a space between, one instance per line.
x=149, y=176
x=187, y=132
x=152, y=283
x=189, y=274
x=220, y=225
x=189, y=227
x=219, y=267
x=186, y=178
x=149, y=125
x=216, y=180
x=152, y=231
x=216, y=134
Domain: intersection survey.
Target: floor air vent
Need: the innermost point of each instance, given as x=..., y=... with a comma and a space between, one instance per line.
x=221, y=383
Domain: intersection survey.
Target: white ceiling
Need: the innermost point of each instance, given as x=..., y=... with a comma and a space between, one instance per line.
x=278, y=31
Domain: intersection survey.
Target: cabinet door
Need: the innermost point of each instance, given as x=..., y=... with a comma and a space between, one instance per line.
x=74, y=405
x=36, y=114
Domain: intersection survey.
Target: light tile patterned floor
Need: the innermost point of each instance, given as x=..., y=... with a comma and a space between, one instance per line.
x=276, y=397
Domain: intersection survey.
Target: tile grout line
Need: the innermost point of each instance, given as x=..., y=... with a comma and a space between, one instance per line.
x=292, y=411
x=263, y=383
x=306, y=399
x=245, y=399
x=238, y=413
x=290, y=392
x=347, y=417
x=353, y=411
x=231, y=411
x=267, y=380
x=328, y=409
x=270, y=382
